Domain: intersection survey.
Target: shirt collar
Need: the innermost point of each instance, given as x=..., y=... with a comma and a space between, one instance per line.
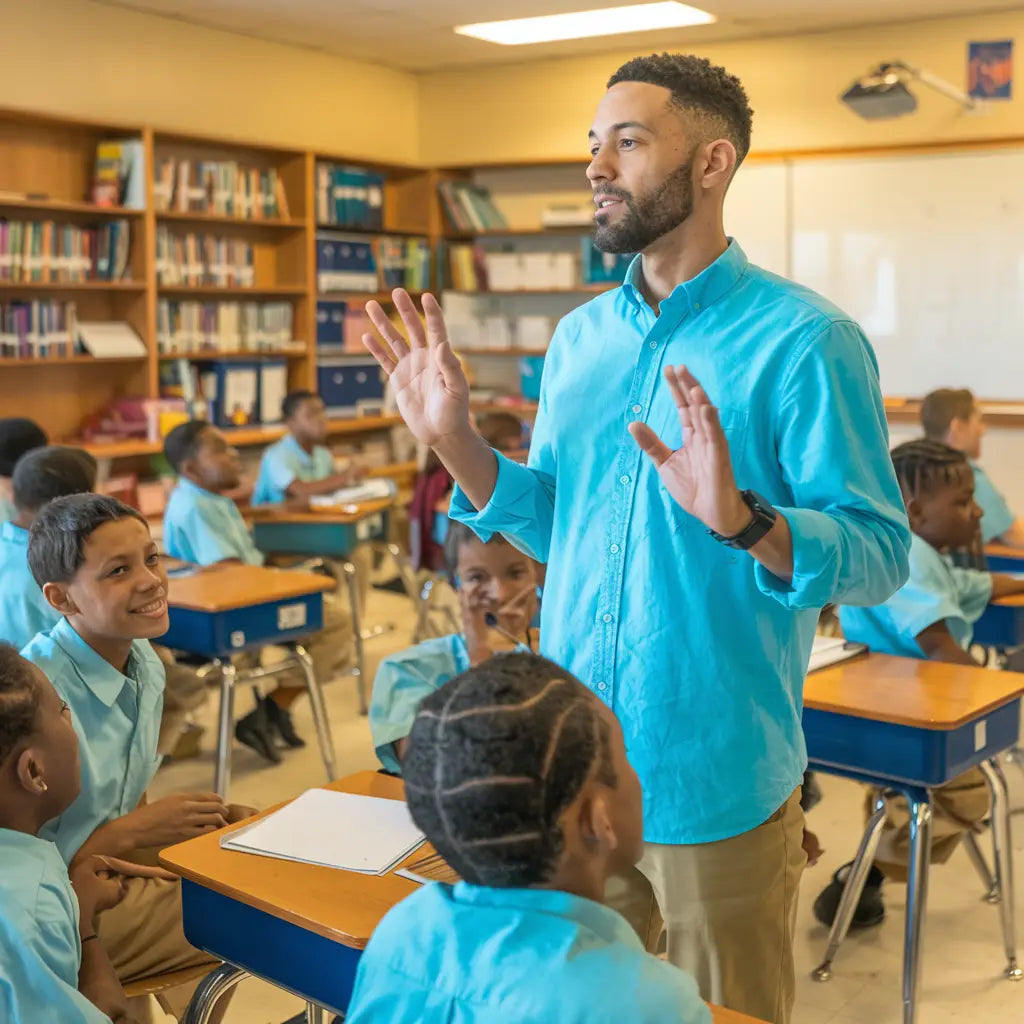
x=194, y=489
x=289, y=441
x=14, y=534
x=603, y=921
x=95, y=671
x=704, y=290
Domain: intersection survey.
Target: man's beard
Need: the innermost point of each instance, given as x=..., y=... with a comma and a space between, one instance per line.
x=649, y=217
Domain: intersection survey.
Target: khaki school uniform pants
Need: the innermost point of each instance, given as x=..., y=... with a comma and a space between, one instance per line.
x=728, y=910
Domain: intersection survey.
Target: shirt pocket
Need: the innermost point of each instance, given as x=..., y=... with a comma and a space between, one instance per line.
x=735, y=424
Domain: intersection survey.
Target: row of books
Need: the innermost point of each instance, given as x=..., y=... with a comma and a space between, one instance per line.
x=44, y=251
x=340, y=326
x=349, y=197
x=190, y=327
x=202, y=259
x=119, y=177
x=469, y=207
x=222, y=187
x=363, y=265
x=37, y=330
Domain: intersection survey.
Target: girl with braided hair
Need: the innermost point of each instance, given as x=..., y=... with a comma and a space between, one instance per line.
x=518, y=775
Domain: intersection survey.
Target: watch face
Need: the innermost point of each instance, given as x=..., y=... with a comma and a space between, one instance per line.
x=760, y=503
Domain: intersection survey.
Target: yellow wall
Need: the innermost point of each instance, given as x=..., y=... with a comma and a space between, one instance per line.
x=90, y=60
x=543, y=110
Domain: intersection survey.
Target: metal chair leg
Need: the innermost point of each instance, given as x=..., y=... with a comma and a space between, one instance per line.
x=981, y=866
x=351, y=582
x=314, y=1014
x=1003, y=850
x=854, y=887
x=320, y=718
x=917, y=897
x=209, y=990
x=225, y=727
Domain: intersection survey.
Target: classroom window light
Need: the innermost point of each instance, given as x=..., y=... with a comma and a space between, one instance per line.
x=609, y=21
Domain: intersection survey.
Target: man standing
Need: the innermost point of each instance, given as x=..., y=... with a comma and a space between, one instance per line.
x=687, y=563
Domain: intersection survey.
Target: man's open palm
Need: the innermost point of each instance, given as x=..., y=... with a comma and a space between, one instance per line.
x=430, y=386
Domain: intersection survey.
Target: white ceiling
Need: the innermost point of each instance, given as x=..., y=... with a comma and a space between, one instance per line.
x=416, y=35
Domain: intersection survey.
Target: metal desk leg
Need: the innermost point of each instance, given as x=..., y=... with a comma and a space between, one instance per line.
x=917, y=898
x=357, y=632
x=225, y=727
x=1003, y=849
x=210, y=989
x=316, y=702
x=981, y=866
x=851, y=893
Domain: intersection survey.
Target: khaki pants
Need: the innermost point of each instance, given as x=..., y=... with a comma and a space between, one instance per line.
x=958, y=807
x=729, y=911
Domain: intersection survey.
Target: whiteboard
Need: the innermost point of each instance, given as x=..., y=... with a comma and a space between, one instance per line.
x=926, y=252
x=757, y=214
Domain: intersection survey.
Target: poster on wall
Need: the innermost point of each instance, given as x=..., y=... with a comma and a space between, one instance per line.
x=990, y=70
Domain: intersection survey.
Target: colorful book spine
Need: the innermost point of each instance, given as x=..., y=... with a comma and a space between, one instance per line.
x=40, y=329
x=188, y=327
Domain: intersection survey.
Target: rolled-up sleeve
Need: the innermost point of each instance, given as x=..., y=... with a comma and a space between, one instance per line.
x=850, y=533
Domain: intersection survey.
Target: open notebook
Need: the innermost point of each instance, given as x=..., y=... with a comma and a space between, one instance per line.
x=831, y=650
x=335, y=830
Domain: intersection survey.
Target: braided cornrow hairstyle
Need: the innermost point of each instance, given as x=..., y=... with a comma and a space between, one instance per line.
x=495, y=756
x=923, y=464
x=19, y=700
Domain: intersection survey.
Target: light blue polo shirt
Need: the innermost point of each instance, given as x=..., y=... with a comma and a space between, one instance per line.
x=23, y=609
x=402, y=681
x=468, y=954
x=699, y=651
x=998, y=517
x=286, y=461
x=40, y=948
x=117, y=719
x=204, y=528
x=7, y=509
x=937, y=591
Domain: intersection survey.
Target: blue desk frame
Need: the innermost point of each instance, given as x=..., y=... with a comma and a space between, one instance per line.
x=1001, y=626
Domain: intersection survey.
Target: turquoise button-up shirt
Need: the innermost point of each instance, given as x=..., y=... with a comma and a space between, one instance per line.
x=203, y=527
x=287, y=461
x=699, y=651
x=23, y=609
x=7, y=509
x=937, y=591
x=117, y=718
x=998, y=517
x=40, y=949
x=467, y=954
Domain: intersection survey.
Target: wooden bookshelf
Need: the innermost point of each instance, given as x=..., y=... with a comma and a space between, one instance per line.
x=499, y=353
x=211, y=355
x=380, y=297
x=66, y=209
x=231, y=292
x=583, y=289
x=71, y=286
x=44, y=361
x=215, y=221
x=568, y=231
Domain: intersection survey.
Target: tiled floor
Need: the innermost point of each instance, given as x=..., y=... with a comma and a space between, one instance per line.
x=963, y=959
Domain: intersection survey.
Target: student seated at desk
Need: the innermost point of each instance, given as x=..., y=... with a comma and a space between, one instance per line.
x=17, y=436
x=953, y=416
x=51, y=966
x=99, y=567
x=490, y=579
x=517, y=774
x=202, y=525
x=300, y=465
x=931, y=616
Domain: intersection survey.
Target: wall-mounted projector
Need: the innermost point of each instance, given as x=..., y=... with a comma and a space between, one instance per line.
x=884, y=93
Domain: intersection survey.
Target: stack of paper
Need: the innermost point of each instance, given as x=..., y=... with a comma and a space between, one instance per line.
x=334, y=830
x=829, y=650
x=373, y=489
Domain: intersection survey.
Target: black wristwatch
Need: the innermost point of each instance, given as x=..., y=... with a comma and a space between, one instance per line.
x=764, y=519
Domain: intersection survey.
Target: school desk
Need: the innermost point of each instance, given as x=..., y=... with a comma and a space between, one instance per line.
x=1002, y=623
x=1003, y=558
x=298, y=926
x=912, y=725
x=222, y=611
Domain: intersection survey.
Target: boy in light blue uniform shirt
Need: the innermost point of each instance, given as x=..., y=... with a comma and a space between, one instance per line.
x=52, y=967
x=518, y=776
x=491, y=579
x=299, y=465
x=931, y=616
x=17, y=436
x=100, y=569
x=40, y=476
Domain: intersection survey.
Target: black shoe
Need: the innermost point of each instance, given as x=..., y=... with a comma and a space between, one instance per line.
x=870, y=909
x=280, y=722
x=254, y=732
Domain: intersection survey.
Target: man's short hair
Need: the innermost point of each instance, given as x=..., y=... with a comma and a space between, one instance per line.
x=292, y=401
x=44, y=474
x=182, y=443
x=697, y=86
x=940, y=408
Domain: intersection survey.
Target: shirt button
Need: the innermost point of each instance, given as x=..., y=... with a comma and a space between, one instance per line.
x=638, y=409
x=606, y=617
x=602, y=686
x=614, y=549
x=696, y=307
x=654, y=344
x=623, y=479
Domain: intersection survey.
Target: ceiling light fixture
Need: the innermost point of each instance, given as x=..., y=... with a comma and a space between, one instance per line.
x=609, y=21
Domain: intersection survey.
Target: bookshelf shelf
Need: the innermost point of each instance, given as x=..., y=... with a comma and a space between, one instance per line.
x=370, y=232
x=230, y=291
x=221, y=219
x=381, y=297
x=564, y=232
x=211, y=354
x=72, y=361
x=7, y=287
x=520, y=408
x=67, y=208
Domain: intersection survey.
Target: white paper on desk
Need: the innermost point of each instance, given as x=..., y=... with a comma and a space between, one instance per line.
x=336, y=830
x=831, y=650
x=368, y=490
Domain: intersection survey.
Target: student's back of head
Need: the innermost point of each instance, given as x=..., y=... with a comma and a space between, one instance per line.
x=501, y=430
x=48, y=473
x=18, y=436
x=953, y=416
